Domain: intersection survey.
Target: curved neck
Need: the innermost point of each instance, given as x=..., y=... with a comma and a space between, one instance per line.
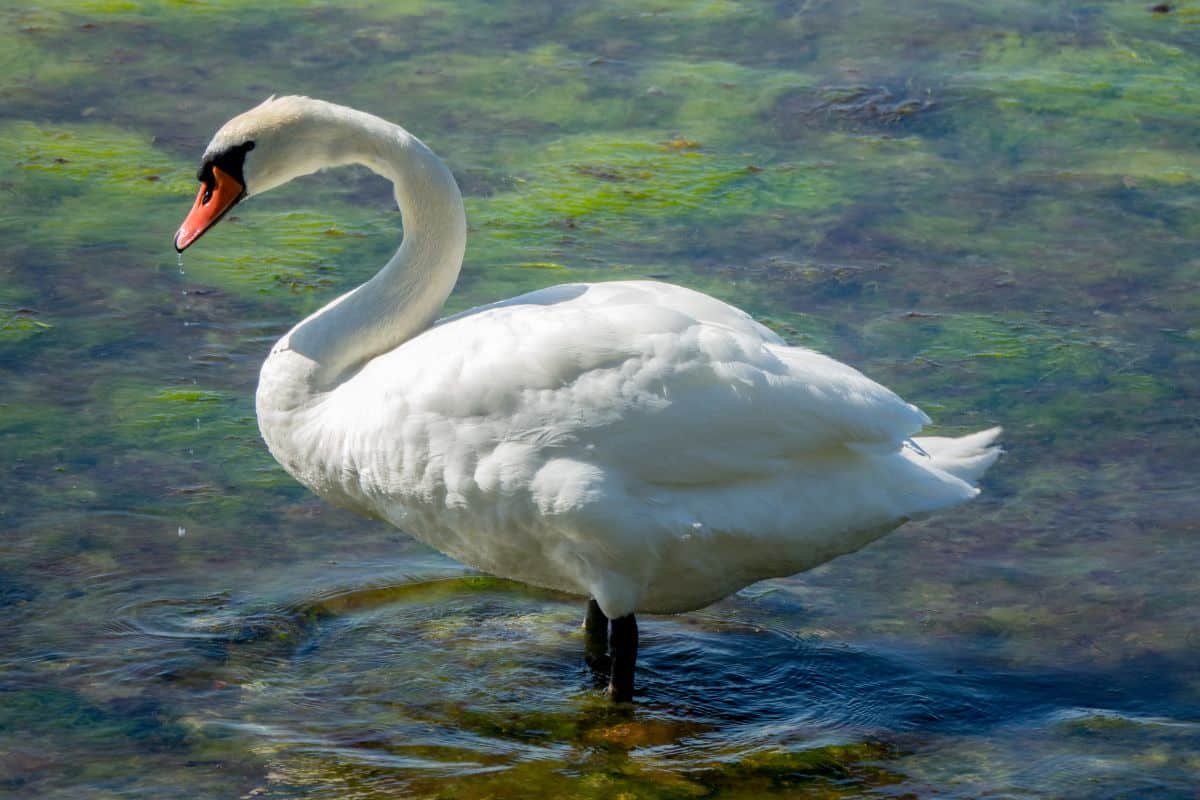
x=405, y=297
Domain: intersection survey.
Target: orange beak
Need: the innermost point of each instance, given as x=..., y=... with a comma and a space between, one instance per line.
x=211, y=204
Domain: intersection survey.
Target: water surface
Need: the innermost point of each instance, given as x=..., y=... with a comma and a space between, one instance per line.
x=991, y=208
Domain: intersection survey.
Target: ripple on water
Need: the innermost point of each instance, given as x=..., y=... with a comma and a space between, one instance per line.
x=476, y=674
x=446, y=679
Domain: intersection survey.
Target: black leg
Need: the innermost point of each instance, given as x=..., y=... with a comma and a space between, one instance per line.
x=595, y=631
x=623, y=647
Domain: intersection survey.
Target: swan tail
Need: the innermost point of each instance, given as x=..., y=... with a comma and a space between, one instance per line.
x=965, y=457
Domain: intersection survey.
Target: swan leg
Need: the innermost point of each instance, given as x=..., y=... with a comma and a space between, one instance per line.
x=623, y=648
x=595, y=631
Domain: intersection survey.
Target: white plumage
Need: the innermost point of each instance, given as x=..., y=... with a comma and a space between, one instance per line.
x=634, y=441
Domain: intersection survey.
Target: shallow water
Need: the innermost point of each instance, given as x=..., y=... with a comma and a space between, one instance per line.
x=991, y=208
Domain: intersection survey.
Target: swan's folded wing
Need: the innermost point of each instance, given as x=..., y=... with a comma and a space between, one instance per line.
x=724, y=406
x=668, y=392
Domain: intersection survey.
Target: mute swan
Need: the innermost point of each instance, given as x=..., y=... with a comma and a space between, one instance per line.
x=634, y=442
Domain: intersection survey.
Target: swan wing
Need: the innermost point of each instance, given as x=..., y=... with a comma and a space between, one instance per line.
x=664, y=384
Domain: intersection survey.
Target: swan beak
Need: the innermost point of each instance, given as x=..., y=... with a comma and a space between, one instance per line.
x=211, y=204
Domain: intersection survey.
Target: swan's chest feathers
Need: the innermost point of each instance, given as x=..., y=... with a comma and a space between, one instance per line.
x=423, y=440
x=452, y=474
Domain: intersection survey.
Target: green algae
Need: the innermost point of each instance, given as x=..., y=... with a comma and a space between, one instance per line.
x=1052, y=351
x=812, y=775
x=632, y=197
x=21, y=323
x=63, y=183
x=27, y=63
x=428, y=591
x=60, y=158
x=710, y=98
x=545, y=87
x=1127, y=81
x=297, y=251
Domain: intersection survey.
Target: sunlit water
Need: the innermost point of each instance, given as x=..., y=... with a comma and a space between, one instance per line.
x=991, y=208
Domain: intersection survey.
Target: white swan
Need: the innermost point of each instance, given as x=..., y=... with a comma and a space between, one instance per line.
x=634, y=442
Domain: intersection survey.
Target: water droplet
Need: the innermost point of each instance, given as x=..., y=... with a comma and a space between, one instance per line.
x=179, y=261
x=182, y=531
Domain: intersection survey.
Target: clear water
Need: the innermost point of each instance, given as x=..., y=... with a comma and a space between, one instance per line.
x=991, y=208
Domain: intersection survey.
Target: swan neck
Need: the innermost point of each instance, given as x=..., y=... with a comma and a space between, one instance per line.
x=406, y=295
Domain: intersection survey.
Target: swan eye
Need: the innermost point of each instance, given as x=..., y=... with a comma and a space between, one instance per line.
x=232, y=161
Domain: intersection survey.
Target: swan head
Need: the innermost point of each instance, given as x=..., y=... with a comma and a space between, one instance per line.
x=278, y=140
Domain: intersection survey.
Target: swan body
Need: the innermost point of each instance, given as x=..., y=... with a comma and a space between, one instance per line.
x=633, y=441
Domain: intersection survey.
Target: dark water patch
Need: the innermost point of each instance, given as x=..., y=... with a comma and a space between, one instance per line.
x=142, y=721
x=68, y=739
x=15, y=592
